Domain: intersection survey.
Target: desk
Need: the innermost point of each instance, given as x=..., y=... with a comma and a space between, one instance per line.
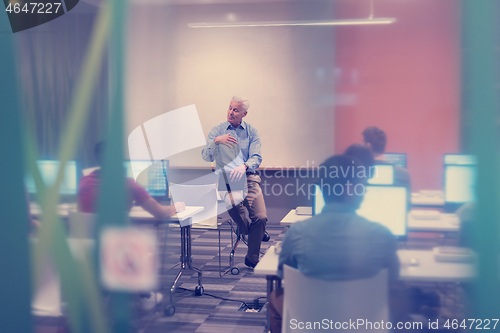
x=137, y=213
x=184, y=218
x=62, y=209
x=268, y=266
x=427, y=270
x=293, y=217
x=447, y=222
x=431, y=270
x=140, y=216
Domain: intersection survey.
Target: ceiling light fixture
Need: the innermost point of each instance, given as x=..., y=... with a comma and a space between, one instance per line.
x=293, y=23
x=369, y=20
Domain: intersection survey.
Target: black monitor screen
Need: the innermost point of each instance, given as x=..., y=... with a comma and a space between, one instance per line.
x=396, y=159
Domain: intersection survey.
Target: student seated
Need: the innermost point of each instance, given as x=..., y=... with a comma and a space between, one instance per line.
x=336, y=244
x=363, y=154
x=89, y=185
x=376, y=139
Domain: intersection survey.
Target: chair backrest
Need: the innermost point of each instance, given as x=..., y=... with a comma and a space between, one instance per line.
x=47, y=299
x=88, y=171
x=81, y=225
x=310, y=300
x=198, y=195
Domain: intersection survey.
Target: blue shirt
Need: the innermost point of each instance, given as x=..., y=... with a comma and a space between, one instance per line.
x=339, y=245
x=247, y=151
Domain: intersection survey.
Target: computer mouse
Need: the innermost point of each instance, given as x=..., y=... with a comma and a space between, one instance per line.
x=414, y=262
x=277, y=248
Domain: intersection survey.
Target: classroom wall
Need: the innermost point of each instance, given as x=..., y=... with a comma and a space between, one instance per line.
x=312, y=89
x=50, y=59
x=403, y=78
x=287, y=73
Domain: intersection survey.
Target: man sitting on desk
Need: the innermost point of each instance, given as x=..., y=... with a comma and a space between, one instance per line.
x=336, y=244
x=235, y=145
x=89, y=185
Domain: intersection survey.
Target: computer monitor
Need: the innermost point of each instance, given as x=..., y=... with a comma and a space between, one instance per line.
x=396, y=159
x=157, y=179
x=48, y=171
x=318, y=200
x=134, y=168
x=459, y=159
x=381, y=174
x=151, y=176
x=459, y=184
x=386, y=205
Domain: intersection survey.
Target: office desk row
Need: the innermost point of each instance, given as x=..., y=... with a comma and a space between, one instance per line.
x=136, y=213
x=415, y=265
x=425, y=269
x=445, y=223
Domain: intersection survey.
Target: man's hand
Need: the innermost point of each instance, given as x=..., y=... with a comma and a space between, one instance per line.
x=237, y=172
x=226, y=140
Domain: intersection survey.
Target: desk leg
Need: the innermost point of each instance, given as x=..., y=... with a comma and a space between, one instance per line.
x=270, y=284
x=181, y=270
x=185, y=263
x=188, y=253
x=220, y=264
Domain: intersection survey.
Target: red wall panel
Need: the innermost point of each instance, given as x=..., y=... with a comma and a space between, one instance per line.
x=404, y=78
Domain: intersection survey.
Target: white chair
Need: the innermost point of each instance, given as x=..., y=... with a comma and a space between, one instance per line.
x=88, y=171
x=46, y=302
x=81, y=225
x=198, y=195
x=313, y=300
x=47, y=299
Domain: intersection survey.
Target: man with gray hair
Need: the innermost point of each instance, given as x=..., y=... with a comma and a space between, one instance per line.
x=235, y=147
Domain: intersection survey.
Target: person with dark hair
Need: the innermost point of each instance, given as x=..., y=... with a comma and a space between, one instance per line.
x=362, y=153
x=360, y=248
x=376, y=139
x=89, y=185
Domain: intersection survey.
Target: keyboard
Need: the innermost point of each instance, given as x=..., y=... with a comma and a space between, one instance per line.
x=454, y=254
x=425, y=215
